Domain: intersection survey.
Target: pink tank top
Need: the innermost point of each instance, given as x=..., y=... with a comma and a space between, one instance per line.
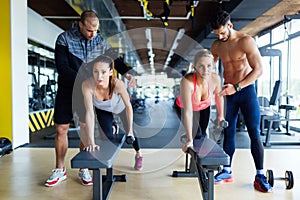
x=197, y=106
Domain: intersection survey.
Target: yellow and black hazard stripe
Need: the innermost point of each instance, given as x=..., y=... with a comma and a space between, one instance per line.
x=40, y=119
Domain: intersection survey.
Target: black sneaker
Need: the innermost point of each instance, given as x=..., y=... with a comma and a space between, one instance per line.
x=261, y=183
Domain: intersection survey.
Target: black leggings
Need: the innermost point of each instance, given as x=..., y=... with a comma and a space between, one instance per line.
x=200, y=120
x=105, y=120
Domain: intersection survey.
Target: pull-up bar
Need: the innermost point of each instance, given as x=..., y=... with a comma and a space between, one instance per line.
x=288, y=18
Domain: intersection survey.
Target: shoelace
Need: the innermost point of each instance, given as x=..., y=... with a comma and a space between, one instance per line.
x=264, y=179
x=85, y=174
x=219, y=173
x=55, y=173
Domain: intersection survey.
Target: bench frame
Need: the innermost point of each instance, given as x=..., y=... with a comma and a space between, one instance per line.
x=103, y=184
x=98, y=160
x=206, y=157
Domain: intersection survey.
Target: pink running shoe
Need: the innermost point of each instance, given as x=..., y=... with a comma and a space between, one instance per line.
x=138, y=162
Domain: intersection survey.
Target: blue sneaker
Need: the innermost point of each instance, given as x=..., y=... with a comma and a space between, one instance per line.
x=261, y=183
x=223, y=176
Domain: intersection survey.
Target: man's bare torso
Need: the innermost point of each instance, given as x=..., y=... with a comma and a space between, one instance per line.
x=233, y=57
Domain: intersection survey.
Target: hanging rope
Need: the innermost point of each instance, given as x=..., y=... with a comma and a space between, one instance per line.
x=191, y=9
x=165, y=38
x=164, y=15
x=148, y=13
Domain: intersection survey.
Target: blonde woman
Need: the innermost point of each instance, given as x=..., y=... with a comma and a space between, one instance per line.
x=192, y=105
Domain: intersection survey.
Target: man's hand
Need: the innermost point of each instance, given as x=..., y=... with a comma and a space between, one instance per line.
x=228, y=89
x=91, y=147
x=131, y=79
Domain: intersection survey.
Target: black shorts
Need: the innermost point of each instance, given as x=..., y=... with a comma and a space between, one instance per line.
x=66, y=104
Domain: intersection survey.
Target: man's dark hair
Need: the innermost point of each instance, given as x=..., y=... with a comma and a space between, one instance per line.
x=87, y=14
x=220, y=19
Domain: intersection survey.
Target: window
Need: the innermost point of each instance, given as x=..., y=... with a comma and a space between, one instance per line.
x=263, y=40
x=287, y=40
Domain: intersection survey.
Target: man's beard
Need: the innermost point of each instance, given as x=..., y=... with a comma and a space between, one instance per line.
x=228, y=36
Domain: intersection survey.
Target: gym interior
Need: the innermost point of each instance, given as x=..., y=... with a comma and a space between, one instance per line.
x=160, y=58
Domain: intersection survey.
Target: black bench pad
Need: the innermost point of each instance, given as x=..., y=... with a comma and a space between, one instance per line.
x=208, y=152
x=104, y=158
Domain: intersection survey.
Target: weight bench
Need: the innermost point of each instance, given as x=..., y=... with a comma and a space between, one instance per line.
x=206, y=156
x=272, y=119
x=102, y=159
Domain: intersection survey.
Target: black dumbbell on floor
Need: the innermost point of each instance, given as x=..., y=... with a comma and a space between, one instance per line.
x=289, y=179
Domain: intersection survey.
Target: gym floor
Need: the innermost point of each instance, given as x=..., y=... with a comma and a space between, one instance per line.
x=24, y=171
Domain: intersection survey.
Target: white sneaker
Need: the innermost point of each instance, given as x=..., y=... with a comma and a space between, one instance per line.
x=85, y=177
x=58, y=175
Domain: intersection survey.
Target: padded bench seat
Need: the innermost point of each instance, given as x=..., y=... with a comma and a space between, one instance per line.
x=207, y=152
x=102, y=159
x=207, y=156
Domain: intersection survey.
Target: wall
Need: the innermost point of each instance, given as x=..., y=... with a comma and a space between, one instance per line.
x=5, y=75
x=19, y=60
x=18, y=24
x=46, y=33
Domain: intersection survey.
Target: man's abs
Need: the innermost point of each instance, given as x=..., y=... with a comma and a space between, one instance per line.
x=235, y=71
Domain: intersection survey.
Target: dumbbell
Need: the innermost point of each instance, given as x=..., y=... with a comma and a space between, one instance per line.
x=224, y=124
x=130, y=139
x=289, y=179
x=183, y=139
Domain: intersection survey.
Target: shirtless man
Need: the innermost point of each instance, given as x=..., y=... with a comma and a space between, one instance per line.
x=242, y=66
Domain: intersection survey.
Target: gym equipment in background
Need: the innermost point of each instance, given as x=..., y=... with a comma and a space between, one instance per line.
x=267, y=118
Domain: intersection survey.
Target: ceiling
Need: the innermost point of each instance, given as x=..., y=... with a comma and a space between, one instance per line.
x=155, y=47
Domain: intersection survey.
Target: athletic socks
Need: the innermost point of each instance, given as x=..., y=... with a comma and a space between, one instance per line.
x=227, y=169
x=259, y=171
